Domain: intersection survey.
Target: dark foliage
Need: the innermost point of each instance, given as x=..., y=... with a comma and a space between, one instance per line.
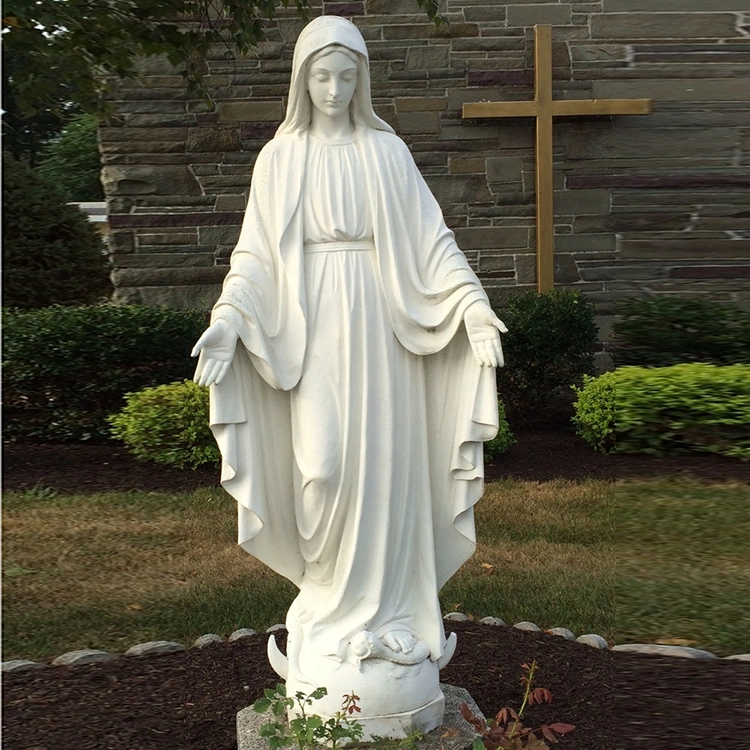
x=664, y=331
x=549, y=346
x=67, y=369
x=52, y=254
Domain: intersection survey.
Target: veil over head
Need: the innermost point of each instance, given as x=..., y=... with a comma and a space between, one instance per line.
x=323, y=32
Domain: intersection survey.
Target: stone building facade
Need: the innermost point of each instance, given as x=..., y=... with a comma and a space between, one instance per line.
x=656, y=204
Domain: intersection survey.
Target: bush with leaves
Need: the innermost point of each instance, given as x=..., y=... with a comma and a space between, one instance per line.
x=504, y=439
x=52, y=254
x=663, y=331
x=72, y=161
x=66, y=369
x=688, y=408
x=168, y=425
x=549, y=346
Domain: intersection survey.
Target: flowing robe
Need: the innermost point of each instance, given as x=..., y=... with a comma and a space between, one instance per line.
x=352, y=419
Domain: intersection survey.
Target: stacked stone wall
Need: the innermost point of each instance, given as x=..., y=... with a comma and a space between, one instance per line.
x=656, y=204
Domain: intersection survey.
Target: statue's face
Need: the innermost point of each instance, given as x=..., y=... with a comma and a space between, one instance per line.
x=331, y=81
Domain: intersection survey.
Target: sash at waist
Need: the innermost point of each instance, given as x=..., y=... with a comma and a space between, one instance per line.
x=338, y=247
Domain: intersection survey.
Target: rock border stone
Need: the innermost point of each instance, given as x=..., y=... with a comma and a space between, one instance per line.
x=89, y=656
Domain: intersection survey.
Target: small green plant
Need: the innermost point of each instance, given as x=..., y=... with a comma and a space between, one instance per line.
x=307, y=730
x=595, y=411
x=169, y=425
x=507, y=732
x=504, y=439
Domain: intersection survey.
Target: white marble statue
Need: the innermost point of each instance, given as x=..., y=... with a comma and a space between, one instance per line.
x=351, y=358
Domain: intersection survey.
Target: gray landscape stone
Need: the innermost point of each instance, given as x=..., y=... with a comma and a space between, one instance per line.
x=456, y=617
x=562, y=632
x=154, y=647
x=491, y=621
x=246, y=633
x=455, y=733
x=663, y=650
x=275, y=628
x=84, y=656
x=592, y=639
x=530, y=626
x=739, y=657
x=20, y=665
x=207, y=639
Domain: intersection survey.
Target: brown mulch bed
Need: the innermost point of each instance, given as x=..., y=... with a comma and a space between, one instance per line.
x=188, y=701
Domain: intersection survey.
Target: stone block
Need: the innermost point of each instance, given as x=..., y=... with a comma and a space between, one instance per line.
x=143, y=277
x=171, y=257
x=213, y=139
x=428, y=30
x=420, y=103
x=566, y=269
x=675, y=90
x=21, y=665
x=206, y=640
x=231, y=202
x=190, y=297
x=581, y=202
x=221, y=235
x=686, y=248
x=593, y=224
x=546, y=13
x=596, y=52
x=430, y=57
x=526, y=269
x=119, y=135
x=167, y=238
x=504, y=169
x=582, y=243
x=410, y=123
x=470, y=165
x=121, y=242
x=664, y=650
x=646, y=143
x=464, y=189
x=481, y=238
x=135, y=180
x=593, y=640
x=633, y=25
x=529, y=626
x=250, y=111
x=676, y=6
x=242, y=633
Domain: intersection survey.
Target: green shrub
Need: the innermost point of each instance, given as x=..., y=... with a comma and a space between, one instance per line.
x=168, y=424
x=72, y=161
x=67, y=368
x=595, y=411
x=504, y=439
x=549, y=346
x=663, y=331
x=670, y=410
x=52, y=254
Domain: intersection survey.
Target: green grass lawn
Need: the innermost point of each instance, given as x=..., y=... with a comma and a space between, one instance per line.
x=111, y=570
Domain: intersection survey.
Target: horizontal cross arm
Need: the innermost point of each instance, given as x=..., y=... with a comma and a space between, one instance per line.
x=499, y=109
x=569, y=107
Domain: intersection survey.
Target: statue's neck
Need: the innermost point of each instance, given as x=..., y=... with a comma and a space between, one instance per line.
x=331, y=128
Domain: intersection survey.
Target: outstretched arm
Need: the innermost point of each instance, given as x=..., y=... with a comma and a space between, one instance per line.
x=483, y=328
x=215, y=350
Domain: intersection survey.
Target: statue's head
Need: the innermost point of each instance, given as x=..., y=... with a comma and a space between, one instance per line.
x=326, y=42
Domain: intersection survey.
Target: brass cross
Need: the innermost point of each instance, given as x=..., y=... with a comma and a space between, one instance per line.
x=544, y=109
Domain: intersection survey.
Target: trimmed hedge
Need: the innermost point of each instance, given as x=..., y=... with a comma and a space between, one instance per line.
x=66, y=369
x=663, y=331
x=168, y=424
x=549, y=346
x=668, y=410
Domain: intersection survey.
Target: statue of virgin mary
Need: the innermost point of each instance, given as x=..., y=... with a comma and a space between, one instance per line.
x=351, y=361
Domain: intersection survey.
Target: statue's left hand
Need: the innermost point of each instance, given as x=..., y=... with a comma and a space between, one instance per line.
x=483, y=328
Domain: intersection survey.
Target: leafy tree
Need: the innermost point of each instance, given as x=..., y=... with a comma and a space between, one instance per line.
x=52, y=254
x=63, y=50
x=72, y=161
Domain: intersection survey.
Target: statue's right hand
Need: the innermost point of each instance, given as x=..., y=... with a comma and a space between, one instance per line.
x=216, y=349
